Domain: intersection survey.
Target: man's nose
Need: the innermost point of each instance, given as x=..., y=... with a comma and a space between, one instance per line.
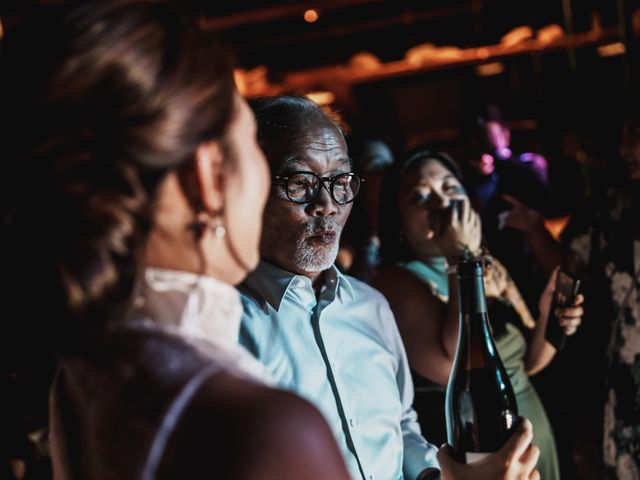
x=323, y=205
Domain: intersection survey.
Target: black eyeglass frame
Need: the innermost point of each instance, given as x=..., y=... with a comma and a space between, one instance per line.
x=332, y=181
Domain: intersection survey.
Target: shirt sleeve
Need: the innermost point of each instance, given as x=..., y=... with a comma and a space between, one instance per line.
x=418, y=452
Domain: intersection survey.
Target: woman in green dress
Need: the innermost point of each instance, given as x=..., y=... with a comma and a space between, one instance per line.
x=426, y=222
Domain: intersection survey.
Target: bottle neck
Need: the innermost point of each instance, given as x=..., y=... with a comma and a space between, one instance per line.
x=471, y=298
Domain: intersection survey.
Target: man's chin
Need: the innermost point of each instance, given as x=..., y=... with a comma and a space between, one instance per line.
x=317, y=256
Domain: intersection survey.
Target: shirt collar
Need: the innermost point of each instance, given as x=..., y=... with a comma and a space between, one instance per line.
x=271, y=283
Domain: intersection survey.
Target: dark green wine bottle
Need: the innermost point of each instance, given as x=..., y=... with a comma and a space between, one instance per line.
x=481, y=408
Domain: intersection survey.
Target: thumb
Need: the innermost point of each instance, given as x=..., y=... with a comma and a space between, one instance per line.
x=518, y=442
x=445, y=458
x=512, y=200
x=551, y=284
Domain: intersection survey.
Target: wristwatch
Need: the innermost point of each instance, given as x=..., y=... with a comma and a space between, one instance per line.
x=429, y=474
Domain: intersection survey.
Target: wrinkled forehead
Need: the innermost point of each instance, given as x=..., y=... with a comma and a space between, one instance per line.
x=315, y=146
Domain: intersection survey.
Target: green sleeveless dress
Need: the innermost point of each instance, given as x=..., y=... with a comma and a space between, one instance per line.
x=512, y=347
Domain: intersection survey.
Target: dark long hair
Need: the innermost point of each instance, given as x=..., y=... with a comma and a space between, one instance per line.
x=99, y=102
x=393, y=247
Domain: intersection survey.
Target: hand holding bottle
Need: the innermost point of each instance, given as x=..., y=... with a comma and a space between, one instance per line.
x=514, y=461
x=480, y=405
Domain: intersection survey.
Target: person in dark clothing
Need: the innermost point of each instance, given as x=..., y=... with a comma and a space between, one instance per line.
x=494, y=175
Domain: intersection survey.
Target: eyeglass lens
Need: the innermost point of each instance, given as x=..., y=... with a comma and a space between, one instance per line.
x=304, y=187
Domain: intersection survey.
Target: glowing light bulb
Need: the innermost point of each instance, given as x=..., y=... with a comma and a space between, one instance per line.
x=311, y=15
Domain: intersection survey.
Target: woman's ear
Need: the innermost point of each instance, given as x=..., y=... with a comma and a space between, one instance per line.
x=209, y=176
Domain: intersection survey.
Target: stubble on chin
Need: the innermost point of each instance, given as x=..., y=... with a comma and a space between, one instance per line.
x=292, y=247
x=314, y=259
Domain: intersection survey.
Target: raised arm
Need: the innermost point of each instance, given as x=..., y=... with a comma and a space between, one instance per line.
x=546, y=250
x=540, y=351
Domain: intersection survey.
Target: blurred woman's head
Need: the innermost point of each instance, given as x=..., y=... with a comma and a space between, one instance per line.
x=126, y=145
x=417, y=196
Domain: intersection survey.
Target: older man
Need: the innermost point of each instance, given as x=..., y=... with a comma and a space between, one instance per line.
x=326, y=336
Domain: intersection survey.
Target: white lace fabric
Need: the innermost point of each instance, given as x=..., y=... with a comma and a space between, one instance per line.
x=201, y=309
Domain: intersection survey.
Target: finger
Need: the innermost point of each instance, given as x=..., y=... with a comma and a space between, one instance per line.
x=475, y=222
x=530, y=457
x=535, y=475
x=449, y=216
x=570, y=312
x=509, y=219
x=445, y=458
x=570, y=329
x=551, y=284
x=469, y=211
x=579, y=300
x=570, y=322
x=512, y=200
x=519, y=441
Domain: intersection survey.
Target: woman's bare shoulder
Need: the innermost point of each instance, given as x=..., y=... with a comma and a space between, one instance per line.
x=399, y=284
x=249, y=431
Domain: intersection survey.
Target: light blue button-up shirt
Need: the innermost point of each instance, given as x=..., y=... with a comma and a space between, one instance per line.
x=341, y=351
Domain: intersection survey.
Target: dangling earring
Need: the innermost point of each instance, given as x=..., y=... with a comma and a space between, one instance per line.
x=212, y=220
x=218, y=229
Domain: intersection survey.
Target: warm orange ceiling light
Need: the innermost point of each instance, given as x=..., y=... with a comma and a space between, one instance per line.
x=612, y=49
x=311, y=15
x=321, y=97
x=489, y=69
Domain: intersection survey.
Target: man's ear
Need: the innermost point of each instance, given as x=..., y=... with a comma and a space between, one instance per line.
x=209, y=177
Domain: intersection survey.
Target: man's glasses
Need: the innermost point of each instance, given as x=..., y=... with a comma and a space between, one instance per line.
x=304, y=187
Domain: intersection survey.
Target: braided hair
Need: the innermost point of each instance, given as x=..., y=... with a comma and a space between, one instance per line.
x=100, y=101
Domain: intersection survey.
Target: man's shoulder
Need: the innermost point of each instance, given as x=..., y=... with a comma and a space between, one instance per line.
x=252, y=301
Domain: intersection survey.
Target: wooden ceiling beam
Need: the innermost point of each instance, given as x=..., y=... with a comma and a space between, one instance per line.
x=276, y=12
x=404, y=19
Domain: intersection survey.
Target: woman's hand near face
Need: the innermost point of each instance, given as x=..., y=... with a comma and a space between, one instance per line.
x=459, y=229
x=516, y=460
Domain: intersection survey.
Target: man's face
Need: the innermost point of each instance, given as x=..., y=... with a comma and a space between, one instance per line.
x=304, y=238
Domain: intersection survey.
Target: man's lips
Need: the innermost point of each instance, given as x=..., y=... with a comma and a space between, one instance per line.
x=327, y=236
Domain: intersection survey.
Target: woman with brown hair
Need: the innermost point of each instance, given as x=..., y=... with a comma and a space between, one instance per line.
x=132, y=201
